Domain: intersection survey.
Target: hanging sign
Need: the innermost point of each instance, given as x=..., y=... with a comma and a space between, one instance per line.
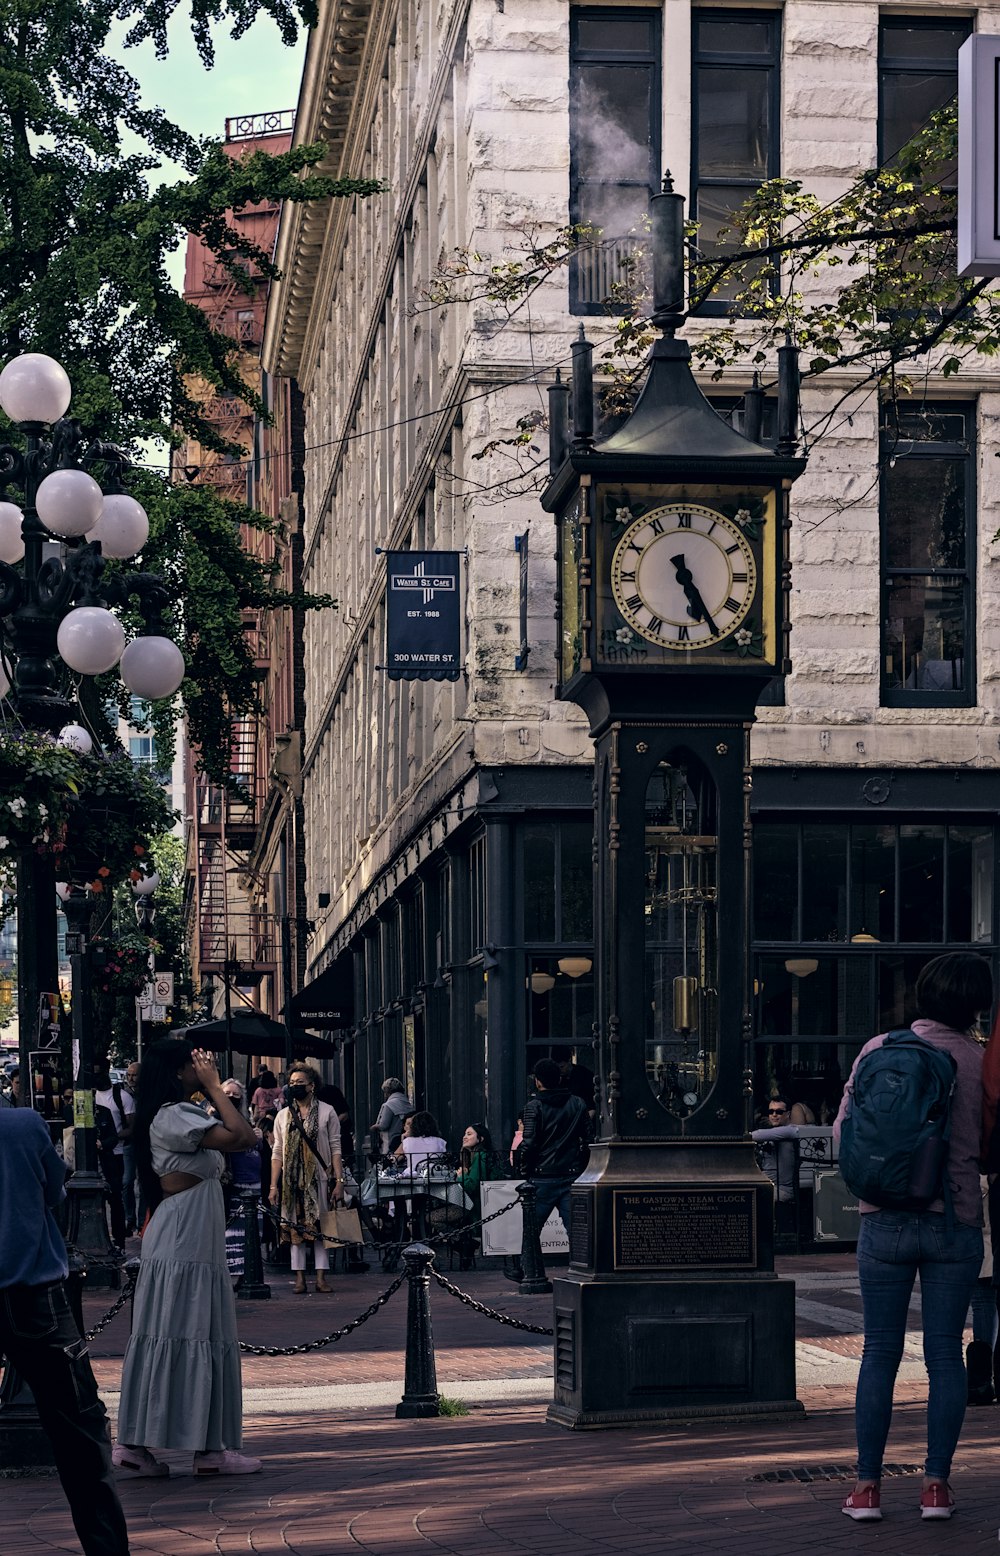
x=979, y=156
x=521, y=547
x=423, y=620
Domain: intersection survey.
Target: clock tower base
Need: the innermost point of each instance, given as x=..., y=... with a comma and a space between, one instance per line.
x=671, y=1309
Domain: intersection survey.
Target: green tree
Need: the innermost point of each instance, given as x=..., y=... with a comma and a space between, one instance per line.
x=830, y=277
x=84, y=243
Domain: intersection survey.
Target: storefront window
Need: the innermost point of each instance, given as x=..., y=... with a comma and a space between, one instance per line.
x=539, y=875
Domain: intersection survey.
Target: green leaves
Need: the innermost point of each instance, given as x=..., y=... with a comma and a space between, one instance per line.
x=84, y=246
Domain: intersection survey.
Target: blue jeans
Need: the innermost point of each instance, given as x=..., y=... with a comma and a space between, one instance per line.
x=553, y=1194
x=893, y=1247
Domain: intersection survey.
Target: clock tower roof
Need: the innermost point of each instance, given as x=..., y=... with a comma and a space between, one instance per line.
x=673, y=418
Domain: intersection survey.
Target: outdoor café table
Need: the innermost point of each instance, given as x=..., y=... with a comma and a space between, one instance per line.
x=410, y=1193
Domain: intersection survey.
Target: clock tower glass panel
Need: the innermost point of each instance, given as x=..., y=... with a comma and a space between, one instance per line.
x=681, y=918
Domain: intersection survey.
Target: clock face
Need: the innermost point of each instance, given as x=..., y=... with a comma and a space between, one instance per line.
x=683, y=576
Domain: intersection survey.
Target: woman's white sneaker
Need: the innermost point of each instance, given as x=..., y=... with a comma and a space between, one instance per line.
x=226, y=1462
x=138, y=1461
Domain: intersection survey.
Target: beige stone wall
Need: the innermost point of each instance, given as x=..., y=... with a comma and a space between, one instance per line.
x=463, y=109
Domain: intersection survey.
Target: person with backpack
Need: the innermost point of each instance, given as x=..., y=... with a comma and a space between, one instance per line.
x=909, y=1137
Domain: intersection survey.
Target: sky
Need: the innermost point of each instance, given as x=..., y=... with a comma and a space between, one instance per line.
x=256, y=74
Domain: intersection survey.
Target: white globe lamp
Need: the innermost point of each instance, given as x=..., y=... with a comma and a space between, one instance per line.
x=63, y=889
x=34, y=387
x=152, y=667
x=146, y=885
x=75, y=738
x=123, y=527
x=90, y=640
x=11, y=538
x=69, y=503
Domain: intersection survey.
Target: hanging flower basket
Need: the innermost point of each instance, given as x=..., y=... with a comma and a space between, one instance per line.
x=95, y=815
x=122, y=964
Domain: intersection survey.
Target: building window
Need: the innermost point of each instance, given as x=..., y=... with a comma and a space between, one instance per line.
x=477, y=896
x=735, y=114
x=557, y=882
x=614, y=143
x=846, y=913
x=927, y=504
x=917, y=74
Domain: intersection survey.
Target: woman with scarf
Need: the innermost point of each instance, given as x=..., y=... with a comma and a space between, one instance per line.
x=307, y=1176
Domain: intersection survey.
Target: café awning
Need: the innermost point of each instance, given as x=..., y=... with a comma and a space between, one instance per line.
x=328, y=1001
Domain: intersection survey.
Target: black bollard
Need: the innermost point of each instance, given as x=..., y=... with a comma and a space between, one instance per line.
x=420, y=1395
x=251, y=1287
x=533, y=1280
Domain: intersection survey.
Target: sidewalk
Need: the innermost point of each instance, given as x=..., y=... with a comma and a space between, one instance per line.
x=342, y=1475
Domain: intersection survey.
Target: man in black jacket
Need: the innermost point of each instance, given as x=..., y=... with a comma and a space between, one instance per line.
x=557, y=1130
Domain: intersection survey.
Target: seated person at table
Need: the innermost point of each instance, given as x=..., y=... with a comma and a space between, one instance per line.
x=420, y=1141
x=478, y=1164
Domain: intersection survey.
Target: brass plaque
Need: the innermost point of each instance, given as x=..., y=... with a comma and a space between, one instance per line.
x=685, y=1229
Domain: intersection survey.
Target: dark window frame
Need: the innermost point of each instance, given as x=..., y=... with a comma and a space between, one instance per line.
x=701, y=57
x=891, y=446
x=923, y=65
x=580, y=57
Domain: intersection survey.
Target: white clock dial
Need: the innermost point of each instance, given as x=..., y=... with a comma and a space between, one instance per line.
x=683, y=576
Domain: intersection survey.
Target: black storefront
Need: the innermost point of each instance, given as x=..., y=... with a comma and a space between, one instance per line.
x=472, y=956
x=860, y=877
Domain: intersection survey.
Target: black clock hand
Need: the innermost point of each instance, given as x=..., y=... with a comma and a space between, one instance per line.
x=696, y=605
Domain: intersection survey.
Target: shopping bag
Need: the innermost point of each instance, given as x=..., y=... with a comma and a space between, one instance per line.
x=340, y=1226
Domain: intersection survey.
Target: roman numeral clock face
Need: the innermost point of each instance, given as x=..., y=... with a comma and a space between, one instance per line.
x=683, y=576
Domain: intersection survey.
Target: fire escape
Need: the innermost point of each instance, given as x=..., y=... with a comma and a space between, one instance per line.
x=232, y=941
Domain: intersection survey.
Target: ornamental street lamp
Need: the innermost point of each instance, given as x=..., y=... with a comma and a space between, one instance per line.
x=56, y=620
x=56, y=623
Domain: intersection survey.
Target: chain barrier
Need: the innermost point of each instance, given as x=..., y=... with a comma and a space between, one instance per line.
x=328, y=1339
x=466, y=1229
x=113, y=1311
x=487, y=1312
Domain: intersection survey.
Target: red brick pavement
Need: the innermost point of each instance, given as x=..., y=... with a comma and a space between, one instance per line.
x=501, y=1481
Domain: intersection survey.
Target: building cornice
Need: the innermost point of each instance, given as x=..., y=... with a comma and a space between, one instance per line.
x=338, y=55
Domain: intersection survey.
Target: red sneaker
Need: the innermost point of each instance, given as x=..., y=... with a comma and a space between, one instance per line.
x=936, y=1500
x=864, y=1506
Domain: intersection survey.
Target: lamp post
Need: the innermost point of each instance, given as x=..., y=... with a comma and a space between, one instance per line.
x=55, y=623
x=55, y=616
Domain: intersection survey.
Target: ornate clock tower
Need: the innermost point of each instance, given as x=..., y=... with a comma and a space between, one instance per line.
x=672, y=614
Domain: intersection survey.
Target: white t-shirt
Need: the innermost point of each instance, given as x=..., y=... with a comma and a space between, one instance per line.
x=106, y=1099
x=417, y=1148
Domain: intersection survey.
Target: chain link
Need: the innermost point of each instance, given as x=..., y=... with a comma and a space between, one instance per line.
x=328, y=1339
x=487, y=1312
x=112, y=1312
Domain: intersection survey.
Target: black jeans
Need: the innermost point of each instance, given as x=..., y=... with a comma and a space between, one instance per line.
x=113, y=1169
x=39, y=1335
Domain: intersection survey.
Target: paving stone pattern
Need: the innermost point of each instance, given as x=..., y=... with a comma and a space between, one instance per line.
x=502, y=1480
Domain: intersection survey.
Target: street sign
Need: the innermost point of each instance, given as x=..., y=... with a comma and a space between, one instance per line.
x=146, y=998
x=979, y=156
x=163, y=988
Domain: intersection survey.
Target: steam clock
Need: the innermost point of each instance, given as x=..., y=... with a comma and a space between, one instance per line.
x=672, y=602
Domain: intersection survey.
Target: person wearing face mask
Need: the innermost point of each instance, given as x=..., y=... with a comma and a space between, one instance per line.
x=307, y=1174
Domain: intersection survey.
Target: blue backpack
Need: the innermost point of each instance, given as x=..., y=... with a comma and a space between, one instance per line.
x=894, y=1138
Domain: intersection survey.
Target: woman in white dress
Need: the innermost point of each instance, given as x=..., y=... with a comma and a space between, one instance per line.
x=181, y=1382
x=307, y=1175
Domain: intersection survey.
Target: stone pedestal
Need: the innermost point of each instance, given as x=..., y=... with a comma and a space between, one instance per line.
x=671, y=1308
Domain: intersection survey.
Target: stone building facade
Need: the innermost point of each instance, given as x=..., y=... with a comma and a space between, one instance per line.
x=448, y=824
